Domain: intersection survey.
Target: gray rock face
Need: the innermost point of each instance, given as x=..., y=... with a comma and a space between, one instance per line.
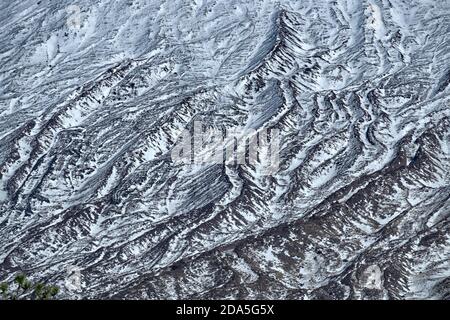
x=94, y=98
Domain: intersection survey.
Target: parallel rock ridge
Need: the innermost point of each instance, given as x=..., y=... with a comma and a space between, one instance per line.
x=359, y=207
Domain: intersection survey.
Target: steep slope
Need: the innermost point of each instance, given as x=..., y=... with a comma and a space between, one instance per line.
x=358, y=207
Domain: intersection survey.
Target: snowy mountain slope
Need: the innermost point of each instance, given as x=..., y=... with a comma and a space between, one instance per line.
x=89, y=117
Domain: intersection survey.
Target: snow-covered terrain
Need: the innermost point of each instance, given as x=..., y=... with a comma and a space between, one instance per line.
x=95, y=95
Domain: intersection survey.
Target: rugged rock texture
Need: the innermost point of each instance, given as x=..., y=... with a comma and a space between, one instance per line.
x=359, y=208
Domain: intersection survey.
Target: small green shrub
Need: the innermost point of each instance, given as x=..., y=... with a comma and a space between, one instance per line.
x=22, y=288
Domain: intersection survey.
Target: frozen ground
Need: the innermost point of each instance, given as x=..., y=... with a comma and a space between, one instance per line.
x=89, y=114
